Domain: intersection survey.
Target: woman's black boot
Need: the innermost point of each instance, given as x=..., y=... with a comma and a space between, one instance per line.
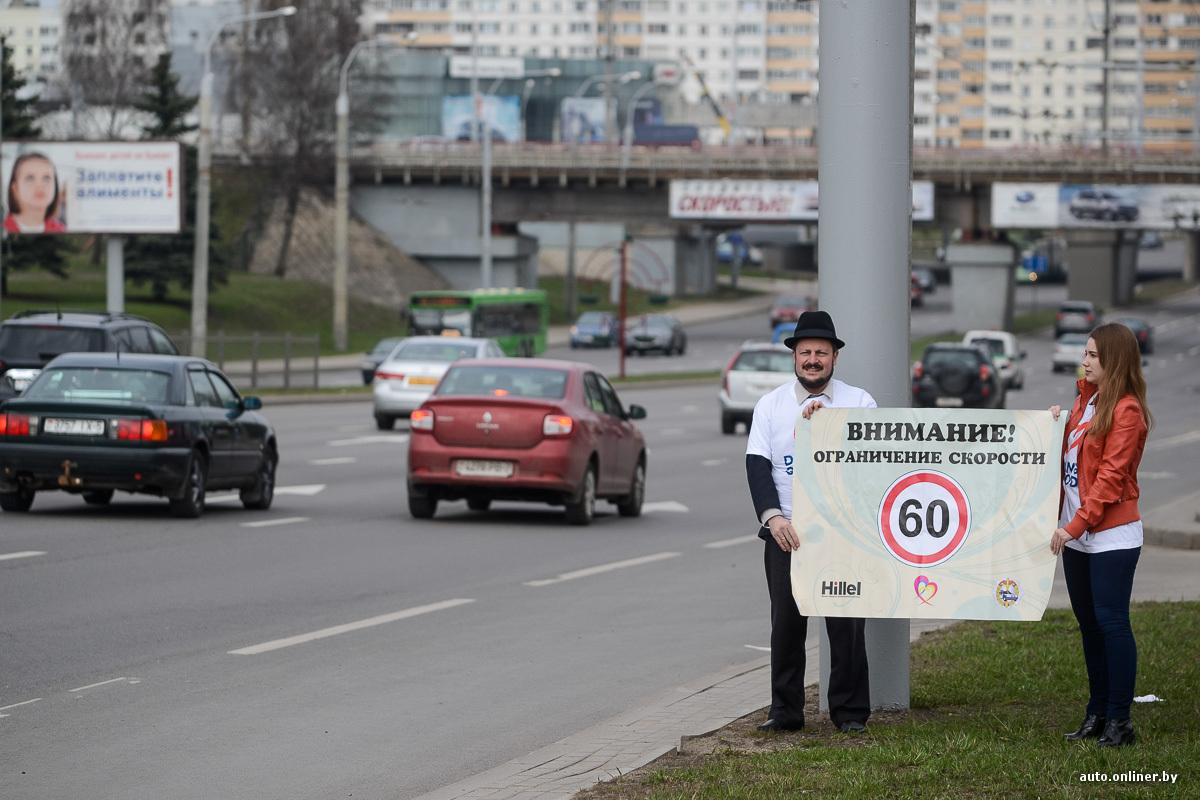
x=1117, y=733
x=1092, y=727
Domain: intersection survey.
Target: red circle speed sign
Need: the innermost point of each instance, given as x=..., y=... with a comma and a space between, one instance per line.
x=924, y=518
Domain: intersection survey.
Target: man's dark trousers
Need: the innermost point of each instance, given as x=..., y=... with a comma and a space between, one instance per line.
x=849, y=690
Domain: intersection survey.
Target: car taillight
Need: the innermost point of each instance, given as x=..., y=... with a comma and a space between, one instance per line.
x=557, y=425
x=421, y=420
x=388, y=376
x=574, y=330
x=919, y=370
x=139, y=430
x=14, y=424
x=985, y=372
x=1091, y=317
x=725, y=374
x=1059, y=315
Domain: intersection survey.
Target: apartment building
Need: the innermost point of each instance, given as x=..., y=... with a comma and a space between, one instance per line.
x=32, y=30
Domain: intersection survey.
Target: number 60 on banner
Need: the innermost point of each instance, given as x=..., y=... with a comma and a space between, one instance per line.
x=924, y=518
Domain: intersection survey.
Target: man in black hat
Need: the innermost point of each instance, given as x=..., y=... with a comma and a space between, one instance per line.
x=770, y=452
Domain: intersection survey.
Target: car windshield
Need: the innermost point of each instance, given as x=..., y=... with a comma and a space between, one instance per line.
x=550, y=384
x=100, y=385
x=386, y=346
x=791, y=302
x=448, y=350
x=591, y=318
x=945, y=358
x=994, y=345
x=1075, y=308
x=764, y=361
x=656, y=323
x=1073, y=339
x=44, y=342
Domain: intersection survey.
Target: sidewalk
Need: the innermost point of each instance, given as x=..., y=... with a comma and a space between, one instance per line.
x=642, y=734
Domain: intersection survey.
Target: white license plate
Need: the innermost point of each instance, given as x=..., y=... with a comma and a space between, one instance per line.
x=949, y=402
x=483, y=469
x=78, y=427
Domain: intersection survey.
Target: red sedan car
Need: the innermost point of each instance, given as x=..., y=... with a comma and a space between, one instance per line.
x=542, y=431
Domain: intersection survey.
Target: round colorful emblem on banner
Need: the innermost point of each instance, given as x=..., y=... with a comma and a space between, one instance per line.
x=924, y=518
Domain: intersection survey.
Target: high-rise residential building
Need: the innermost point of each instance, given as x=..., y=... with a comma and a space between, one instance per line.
x=32, y=30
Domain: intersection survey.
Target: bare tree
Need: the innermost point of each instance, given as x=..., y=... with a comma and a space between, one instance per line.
x=109, y=47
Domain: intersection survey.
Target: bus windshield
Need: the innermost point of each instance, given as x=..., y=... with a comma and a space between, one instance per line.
x=432, y=321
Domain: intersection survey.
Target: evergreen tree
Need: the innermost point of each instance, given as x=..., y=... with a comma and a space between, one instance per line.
x=19, y=121
x=162, y=259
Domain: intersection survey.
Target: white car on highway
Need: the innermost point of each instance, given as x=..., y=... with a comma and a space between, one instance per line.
x=1007, y=354
x=756, y=368
x=412, y=371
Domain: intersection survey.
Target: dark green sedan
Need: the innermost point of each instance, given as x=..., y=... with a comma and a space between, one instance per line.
x=172, y=426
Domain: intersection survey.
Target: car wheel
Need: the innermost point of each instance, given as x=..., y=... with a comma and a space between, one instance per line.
x=421, y=504
x=191, y=504
x=728, y=424
x=631, y=504
x=582, y=507
x=479, y=503
x=18, y=501
x=384, y=423
x=100, y=497
x=259, y=496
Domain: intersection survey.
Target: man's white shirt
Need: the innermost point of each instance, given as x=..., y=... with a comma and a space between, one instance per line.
x=773, y=429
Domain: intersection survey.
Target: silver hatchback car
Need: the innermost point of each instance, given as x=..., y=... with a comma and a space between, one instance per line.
x=409, y=375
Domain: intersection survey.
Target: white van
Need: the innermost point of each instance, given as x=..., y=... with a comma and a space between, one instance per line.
x=1006, y=354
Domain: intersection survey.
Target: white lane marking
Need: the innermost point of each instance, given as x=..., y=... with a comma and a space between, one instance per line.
x=690, y=409
x=301, y=490
x=382, y=619
x=757, y=647
x=731, y=542
x=269, y=523
x=22, y=554
x=1174, y=441
x=14, y=705
x=353, y=428
x=673, y=431
x=94, y=685
x=386, y=439
x=1195, y=351
x=664, y=505
x=327, y=462
x=713, y=462
x=590, y=571
x=1155, y=476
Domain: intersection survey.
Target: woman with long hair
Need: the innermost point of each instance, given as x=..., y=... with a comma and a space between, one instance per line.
x=1100, y=529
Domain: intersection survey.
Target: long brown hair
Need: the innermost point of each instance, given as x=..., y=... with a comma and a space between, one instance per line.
x=1121, y=360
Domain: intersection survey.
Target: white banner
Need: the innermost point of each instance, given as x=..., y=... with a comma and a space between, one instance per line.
x=766, y=201
x=92, y=187
x=488, y=66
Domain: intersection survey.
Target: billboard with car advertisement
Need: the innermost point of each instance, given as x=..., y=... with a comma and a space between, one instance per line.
x=92, y=187
x=1085, y=205
x=766, y=201
x=500, y=114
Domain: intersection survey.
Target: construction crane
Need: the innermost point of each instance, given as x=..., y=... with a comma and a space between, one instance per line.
x=724, y=123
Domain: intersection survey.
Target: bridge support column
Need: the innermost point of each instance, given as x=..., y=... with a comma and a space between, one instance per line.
x=1191, y=255
x=984, y=280
x=1103, y=266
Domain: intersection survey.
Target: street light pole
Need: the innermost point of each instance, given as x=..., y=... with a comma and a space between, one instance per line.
x=621, y=78
x=341, y=216
x=204, y=181
x=627, y=135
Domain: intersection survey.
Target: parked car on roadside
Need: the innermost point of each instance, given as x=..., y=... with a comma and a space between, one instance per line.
x=172, y=426
x=755, y=369
x=1142, y=330
x=542, y=431
x=1074, y=316
x=916, y=296
x=1068, y=351
x=30, y=339
x=655, y=332
x=1006, y=352
x=956, y=376
x=596, y=329
x=377, y=355
x=788, y=308
x=408, y=375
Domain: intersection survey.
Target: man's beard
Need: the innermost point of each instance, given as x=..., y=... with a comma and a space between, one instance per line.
x=812, y=386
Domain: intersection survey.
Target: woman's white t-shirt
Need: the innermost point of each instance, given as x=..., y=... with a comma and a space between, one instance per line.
x=1122, y=537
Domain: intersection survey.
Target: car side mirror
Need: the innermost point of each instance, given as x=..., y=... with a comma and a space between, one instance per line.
x=1024, y=354
x=636, y=412
x=251, y=403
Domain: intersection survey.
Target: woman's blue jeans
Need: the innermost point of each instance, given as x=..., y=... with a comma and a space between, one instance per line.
x=1100, y=585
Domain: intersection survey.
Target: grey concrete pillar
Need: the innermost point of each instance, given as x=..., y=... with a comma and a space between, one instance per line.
x=1191, y=255
x=115, y=273
x=1103, y=266
x=865, y=175
x=984, y=279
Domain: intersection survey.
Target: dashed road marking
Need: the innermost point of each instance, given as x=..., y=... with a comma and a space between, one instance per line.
x=758, y=647
x=731, y=542
x=22, y=554
x=270, y=523
x=1175, y=441
x=664, y=505
x=382, y=439
x=383, y=619
x=301, y=490
x=328, y=462
x=97, y=685
x=15, y=705
x=590, y=571
x=713, y=462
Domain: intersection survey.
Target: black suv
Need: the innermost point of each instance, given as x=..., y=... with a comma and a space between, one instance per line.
x=956, y=376
x=29, y=339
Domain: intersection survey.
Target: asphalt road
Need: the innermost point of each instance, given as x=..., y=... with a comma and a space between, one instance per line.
x=334, y=646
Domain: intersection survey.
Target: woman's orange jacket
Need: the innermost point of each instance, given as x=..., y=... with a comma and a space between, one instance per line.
x=1108, y=488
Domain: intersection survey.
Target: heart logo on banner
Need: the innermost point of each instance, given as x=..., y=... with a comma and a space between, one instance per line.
x=925, y=589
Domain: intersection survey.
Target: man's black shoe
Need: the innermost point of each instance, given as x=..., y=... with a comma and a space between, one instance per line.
x=773, y=726
x=1092, y=727
x=853, y=726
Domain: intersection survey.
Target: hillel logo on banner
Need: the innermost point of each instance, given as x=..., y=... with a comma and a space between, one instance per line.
x=841, y=589
x=925, y=589
x=1008, y=592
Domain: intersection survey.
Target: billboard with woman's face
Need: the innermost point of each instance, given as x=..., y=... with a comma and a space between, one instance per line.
x=92, y=187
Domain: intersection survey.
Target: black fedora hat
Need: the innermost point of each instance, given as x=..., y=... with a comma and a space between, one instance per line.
x=814, y=325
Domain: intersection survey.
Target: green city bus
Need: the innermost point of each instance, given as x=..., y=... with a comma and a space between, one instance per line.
x=516, y=318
